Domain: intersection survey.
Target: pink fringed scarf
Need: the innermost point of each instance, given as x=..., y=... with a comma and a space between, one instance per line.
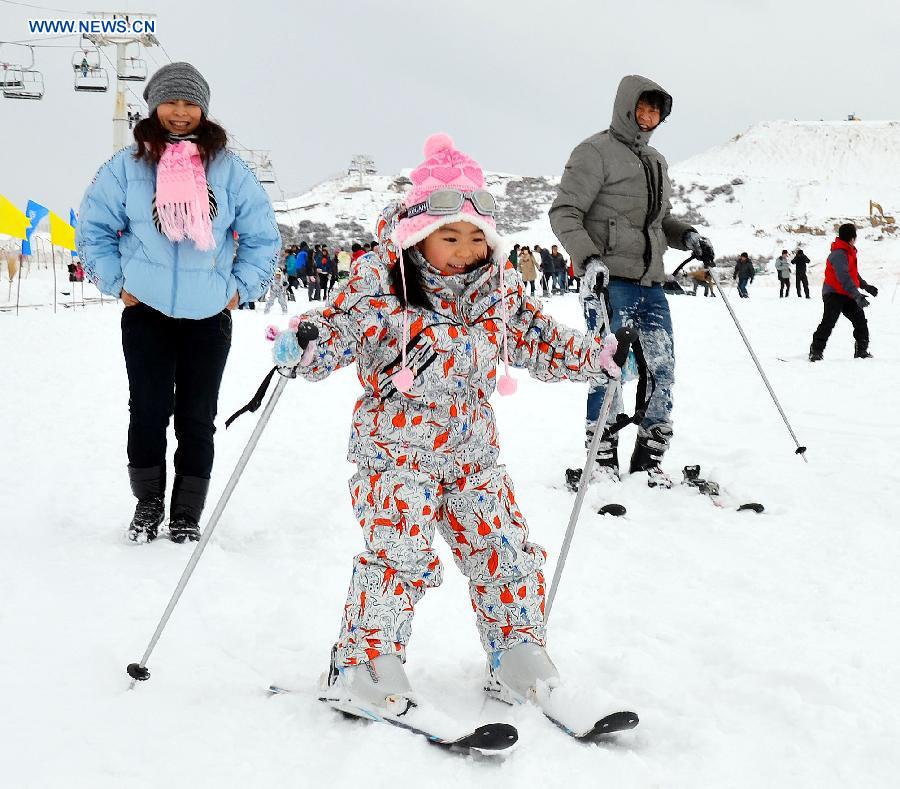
x=182, y=196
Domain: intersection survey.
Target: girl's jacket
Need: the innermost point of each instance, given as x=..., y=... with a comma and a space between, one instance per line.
x=443, y=425
x=120, y=246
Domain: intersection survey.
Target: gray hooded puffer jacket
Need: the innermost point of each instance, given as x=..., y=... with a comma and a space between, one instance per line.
x=614, y=196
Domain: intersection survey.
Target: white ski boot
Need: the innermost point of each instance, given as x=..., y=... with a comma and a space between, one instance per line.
x=381, y=683
x=523, y=673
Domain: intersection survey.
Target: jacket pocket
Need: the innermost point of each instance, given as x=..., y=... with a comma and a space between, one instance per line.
x=613, y=234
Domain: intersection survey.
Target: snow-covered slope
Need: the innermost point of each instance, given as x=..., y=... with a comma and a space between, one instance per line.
x=760, y=651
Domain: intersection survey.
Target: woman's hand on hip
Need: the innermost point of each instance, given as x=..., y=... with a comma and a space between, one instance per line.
x=128, y=299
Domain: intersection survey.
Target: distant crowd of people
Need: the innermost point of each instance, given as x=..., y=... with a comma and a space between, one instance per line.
x=315, y=269
x=556, y=273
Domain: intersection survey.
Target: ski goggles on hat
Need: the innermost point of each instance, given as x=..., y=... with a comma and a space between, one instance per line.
x=449, y=201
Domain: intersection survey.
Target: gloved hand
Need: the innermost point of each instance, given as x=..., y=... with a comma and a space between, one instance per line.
x=870, y=289
x=294, y=348
x=701, y=246
x=601, y=355
x=861, y=301
x=595, y=279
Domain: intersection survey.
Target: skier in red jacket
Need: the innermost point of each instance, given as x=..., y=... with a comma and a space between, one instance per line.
x=842, y=296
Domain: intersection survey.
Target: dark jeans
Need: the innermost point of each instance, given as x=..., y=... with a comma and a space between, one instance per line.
x=742, y=287
x=175, y=366
x=646, y=310
x=836, y=305
x=546, y=283
x=802, y=280
x=313, y=287
x=784, y=287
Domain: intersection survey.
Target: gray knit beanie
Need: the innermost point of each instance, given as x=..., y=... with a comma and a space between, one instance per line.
x=177, y=81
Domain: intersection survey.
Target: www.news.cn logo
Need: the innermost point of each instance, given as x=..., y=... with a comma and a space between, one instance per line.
x=92, y=27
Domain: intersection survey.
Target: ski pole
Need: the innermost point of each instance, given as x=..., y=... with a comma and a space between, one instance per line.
x=139, y=671
x=625, y=337
x=801, y=450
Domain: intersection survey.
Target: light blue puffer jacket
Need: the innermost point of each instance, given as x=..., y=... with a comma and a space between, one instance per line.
x=176, y=278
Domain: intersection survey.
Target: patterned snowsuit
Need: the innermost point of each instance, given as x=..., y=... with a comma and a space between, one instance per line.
x=427, y=458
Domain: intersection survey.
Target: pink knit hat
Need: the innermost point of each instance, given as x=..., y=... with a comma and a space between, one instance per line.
x=447, y=168
x=444, y=168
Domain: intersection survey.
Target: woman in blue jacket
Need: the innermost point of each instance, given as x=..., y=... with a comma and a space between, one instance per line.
x=179, y=228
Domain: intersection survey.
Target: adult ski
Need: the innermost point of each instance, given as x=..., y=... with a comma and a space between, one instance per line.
x=713, y=491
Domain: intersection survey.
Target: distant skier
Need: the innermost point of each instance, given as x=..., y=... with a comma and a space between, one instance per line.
x=744, y=273
x=613, y=208
x=277, y=291
x=841, y=296
x=426, y=319
x=783, y=267
x=800, y=262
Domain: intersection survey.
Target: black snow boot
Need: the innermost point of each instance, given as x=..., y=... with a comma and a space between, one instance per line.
x=149, y=487
x=188, y=498
x=649, y=449
x=861, y=352
x=815, y=354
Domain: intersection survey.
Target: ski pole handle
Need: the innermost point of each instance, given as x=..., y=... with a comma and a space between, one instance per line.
x=625, y=337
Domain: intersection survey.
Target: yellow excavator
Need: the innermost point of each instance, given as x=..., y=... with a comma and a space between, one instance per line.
x=877, y=216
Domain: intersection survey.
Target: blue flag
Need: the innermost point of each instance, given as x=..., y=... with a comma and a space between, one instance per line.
x=73, y=220
x=35, y=212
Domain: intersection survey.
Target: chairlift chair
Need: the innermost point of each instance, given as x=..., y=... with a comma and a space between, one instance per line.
x=133, y=70
x=22, y=83
x=96, y=81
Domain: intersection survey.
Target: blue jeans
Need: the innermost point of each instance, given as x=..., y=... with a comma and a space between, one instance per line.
x=644, y=309
x=742, y=287
x=561, y=281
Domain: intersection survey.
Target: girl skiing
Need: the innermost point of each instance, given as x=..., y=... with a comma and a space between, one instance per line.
x=157, y=229
x=427, y=318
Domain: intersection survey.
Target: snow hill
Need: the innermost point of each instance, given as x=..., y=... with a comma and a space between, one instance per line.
x=774, y=186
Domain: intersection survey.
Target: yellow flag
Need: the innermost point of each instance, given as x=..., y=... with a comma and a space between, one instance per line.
x=61, y=232
x=13, y=222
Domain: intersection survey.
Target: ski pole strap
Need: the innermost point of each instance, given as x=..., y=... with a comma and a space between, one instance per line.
x=675, y=273
x=632, y=342
x=257, y=399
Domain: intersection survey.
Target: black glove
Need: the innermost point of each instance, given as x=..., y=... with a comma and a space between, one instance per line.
x=861, y=301
x=306, y=332
x=701, y=246
x=870, y=289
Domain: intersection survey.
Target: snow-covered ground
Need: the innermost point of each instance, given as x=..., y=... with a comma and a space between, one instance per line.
x=759, y=650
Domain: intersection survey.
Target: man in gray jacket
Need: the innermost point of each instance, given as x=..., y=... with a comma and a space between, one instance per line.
x=613, y=208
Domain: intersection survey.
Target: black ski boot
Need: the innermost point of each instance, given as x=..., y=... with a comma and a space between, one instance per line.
x=815, y=354
x=149, y=487
x=861, y=352
x=606, y=467
x=188, y=498
x=651, y=445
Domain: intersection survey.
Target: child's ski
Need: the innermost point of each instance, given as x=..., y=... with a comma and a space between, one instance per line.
x=487, y=739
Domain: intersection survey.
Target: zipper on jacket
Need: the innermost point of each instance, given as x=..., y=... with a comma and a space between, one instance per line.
x=174, y=277
x=648, y=247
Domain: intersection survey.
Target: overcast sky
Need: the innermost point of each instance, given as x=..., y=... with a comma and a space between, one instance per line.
x=517, y=83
